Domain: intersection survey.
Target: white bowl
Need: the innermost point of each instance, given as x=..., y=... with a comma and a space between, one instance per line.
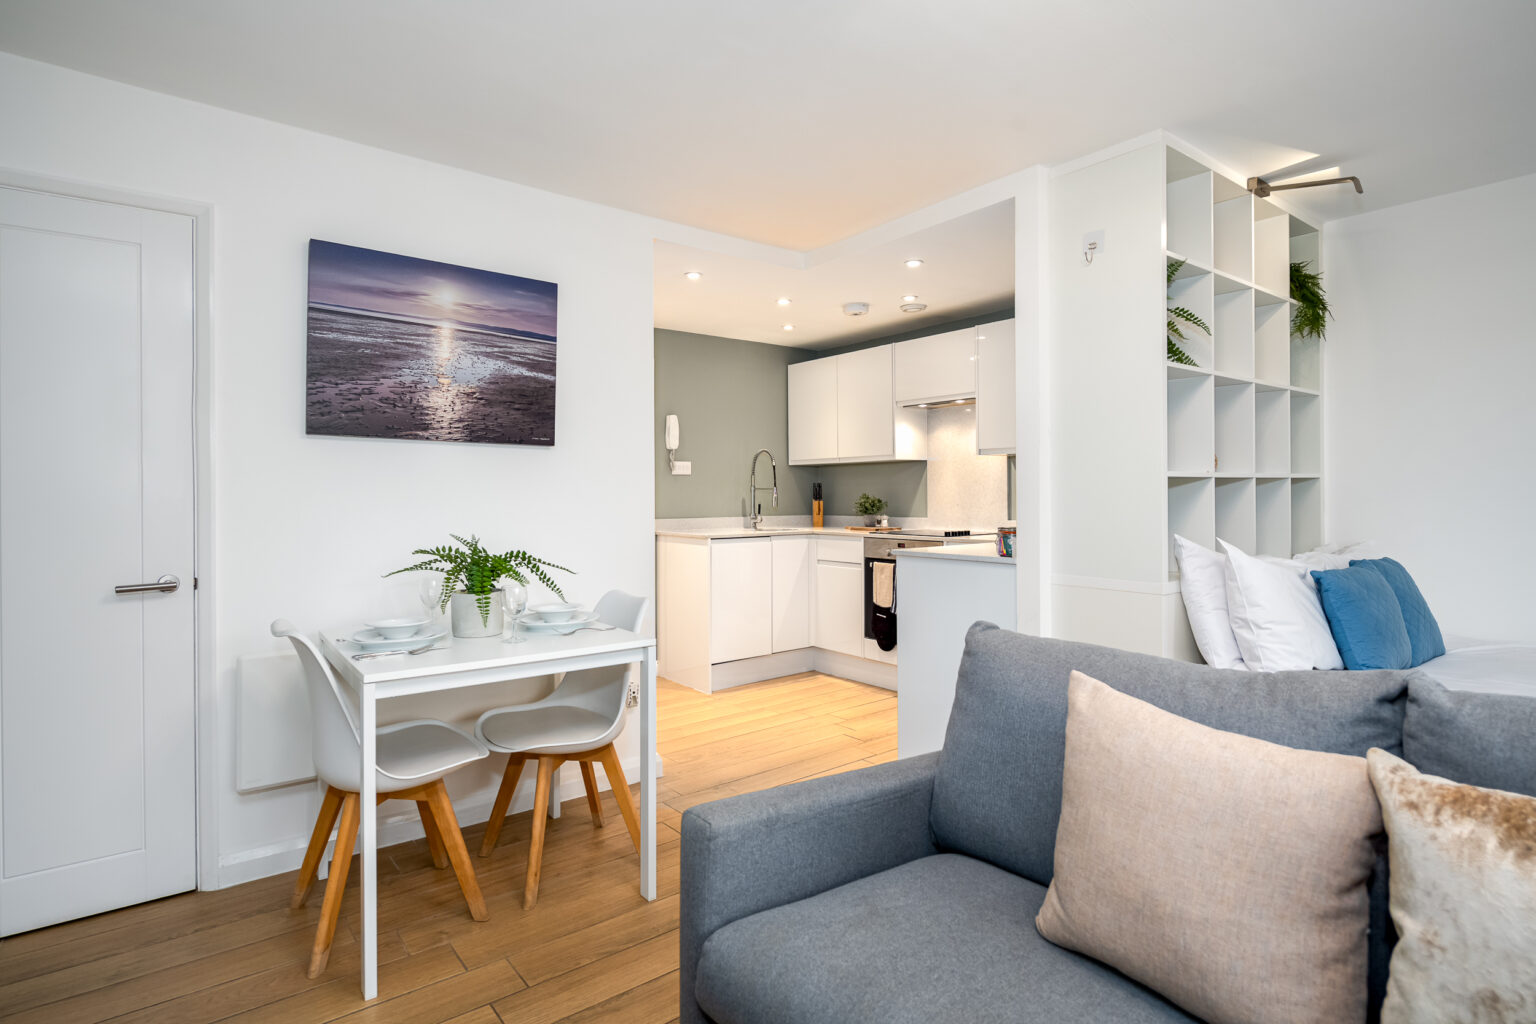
x=556, y=611
x=396, y=629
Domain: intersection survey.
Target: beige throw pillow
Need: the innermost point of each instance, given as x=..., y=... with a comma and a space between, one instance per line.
x=1227, y=873
x=1463, y=895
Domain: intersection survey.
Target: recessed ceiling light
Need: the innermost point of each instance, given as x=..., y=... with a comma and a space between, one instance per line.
x=783, y=302
x=913, y=307
x=693, y=275
x=909, y=298
x=789, y=327
x=914, y=264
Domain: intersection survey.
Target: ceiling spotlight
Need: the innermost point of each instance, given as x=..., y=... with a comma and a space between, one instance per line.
x=693, y=275
x=914, y=264
x=909, y=298
x=913, y=307
x=783, y=302
x=789, y=327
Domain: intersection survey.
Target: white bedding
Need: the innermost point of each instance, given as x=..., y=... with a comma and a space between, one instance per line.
x=1487, y=667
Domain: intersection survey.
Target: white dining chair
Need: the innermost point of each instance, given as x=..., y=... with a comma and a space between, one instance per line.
x=412, y=759
x=577, y=722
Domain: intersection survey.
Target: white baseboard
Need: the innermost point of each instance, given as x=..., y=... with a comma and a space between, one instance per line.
x=398, y=823
x=860, y=670
x=755, y=670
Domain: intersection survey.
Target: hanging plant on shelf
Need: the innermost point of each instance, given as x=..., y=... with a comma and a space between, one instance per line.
x=1180, y=318
x=1310, y=317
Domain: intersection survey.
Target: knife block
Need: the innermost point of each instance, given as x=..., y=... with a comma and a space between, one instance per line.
x=817, y=518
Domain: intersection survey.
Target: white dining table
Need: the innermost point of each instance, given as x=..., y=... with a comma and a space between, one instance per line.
x=460, y=663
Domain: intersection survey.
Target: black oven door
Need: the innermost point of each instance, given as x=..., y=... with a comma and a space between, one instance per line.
x=879, y=623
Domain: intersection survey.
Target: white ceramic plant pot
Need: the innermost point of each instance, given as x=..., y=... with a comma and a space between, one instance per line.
x=465, y=613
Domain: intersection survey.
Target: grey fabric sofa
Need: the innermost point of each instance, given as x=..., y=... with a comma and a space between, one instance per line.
x=907, y=892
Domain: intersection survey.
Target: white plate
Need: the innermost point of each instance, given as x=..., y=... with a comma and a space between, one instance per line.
x=531, y=622
x=370, y=640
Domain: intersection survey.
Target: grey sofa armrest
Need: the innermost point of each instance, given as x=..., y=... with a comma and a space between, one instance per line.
x=748, y=853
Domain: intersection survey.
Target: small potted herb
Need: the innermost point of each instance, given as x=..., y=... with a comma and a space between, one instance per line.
x=470, y=574
x=869, y=508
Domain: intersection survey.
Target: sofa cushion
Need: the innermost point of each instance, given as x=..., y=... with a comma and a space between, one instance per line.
x=943, y=938
x=1479, y=739
x=997, y=789
x=1227, y=873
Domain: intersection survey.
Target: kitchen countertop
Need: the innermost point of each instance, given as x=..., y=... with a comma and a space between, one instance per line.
x=778, y=531
x=957, y=552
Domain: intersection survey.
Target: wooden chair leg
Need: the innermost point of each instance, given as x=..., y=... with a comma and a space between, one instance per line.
x=453, y=841
x=434, y=837
x=330, y=806
x=540, y=823
x=589, y=780
x=509, y=777
x=620, y=786
x=335, y=885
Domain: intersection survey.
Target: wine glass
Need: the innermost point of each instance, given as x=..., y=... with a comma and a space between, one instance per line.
x=429, y=591
x=515, y=597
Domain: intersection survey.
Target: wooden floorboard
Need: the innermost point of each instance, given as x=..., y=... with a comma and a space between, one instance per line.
x=591, y=950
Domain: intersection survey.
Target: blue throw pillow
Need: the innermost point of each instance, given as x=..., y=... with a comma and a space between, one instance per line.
x=1423, y=630
x=1365, y=618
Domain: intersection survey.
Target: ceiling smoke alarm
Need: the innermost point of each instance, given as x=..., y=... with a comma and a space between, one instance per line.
x=913, y=307
x=855, y=308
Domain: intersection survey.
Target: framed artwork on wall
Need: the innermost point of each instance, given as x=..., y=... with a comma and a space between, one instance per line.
x=400, y=347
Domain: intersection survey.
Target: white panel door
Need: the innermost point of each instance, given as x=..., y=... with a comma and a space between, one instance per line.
x=938, y=366
x=996, y=389
x=840, y=608
x=740, y=599
x=813, y=410
x=865, y=411
x=97, y=767
x=791, y=593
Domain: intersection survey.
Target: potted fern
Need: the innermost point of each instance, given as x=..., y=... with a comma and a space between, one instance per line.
x=470, y=574
x=1310, y=317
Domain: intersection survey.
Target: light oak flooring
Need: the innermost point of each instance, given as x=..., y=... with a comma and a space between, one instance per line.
x=592, y=950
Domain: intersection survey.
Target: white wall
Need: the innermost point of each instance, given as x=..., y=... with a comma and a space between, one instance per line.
x=1431, y=417
x=304, y=526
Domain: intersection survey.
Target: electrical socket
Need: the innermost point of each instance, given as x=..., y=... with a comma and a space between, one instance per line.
x=632, y=694
x=682, y=469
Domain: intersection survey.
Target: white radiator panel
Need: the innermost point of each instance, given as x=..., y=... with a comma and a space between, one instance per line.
x=271, y=723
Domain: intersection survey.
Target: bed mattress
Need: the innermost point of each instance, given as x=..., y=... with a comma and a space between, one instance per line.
x=1488, y=667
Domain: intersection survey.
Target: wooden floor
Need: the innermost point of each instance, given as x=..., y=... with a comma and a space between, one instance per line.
x=592, y=950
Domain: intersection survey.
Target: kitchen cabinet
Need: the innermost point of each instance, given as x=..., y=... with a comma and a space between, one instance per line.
x=791, y=593
x=813, y=410
x=935, y=368
x=996, y=389
x=865, y=411
x=840, y=608
x=740, y=599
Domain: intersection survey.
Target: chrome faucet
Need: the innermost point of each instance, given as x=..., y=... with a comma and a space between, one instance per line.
x=754, y=510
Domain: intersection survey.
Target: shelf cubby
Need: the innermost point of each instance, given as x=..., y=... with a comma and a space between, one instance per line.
x=1271, y=344
x=1271, y=248
x=1191, y=513
x=1191, y=426
x=1232, y=226
x=1234, y=429
x=1237, y=513
x=1189, y=209
x=1306, y=434
x=1272, y=432
x=1306, y=514
x=1195, y=292
x=1306, y=363
x=1272, y=505
x=1233, y=329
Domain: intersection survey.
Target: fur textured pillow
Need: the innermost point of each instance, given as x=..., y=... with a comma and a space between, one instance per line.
x=1463, y=896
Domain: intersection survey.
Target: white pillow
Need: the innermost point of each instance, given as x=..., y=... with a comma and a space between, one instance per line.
x=1276, y=614
x=1338, y=556
x=1203, y=582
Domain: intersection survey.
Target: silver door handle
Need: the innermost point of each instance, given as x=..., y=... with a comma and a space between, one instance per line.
x=165, y=585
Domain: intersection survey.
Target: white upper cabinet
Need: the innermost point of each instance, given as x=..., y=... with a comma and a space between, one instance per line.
x=865, y=427
x=996, y=389
x=941, y=366
x=813, y=411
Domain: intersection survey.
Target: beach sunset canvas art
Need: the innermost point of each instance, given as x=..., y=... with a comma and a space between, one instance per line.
x=409, y=348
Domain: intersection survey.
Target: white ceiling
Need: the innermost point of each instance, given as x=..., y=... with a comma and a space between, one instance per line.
x=802, y=122
x=967, y=268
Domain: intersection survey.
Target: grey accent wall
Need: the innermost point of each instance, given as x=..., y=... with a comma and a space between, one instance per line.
x=731, y=398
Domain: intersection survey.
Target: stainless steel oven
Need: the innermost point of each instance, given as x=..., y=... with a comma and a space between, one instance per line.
x=877, y=551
